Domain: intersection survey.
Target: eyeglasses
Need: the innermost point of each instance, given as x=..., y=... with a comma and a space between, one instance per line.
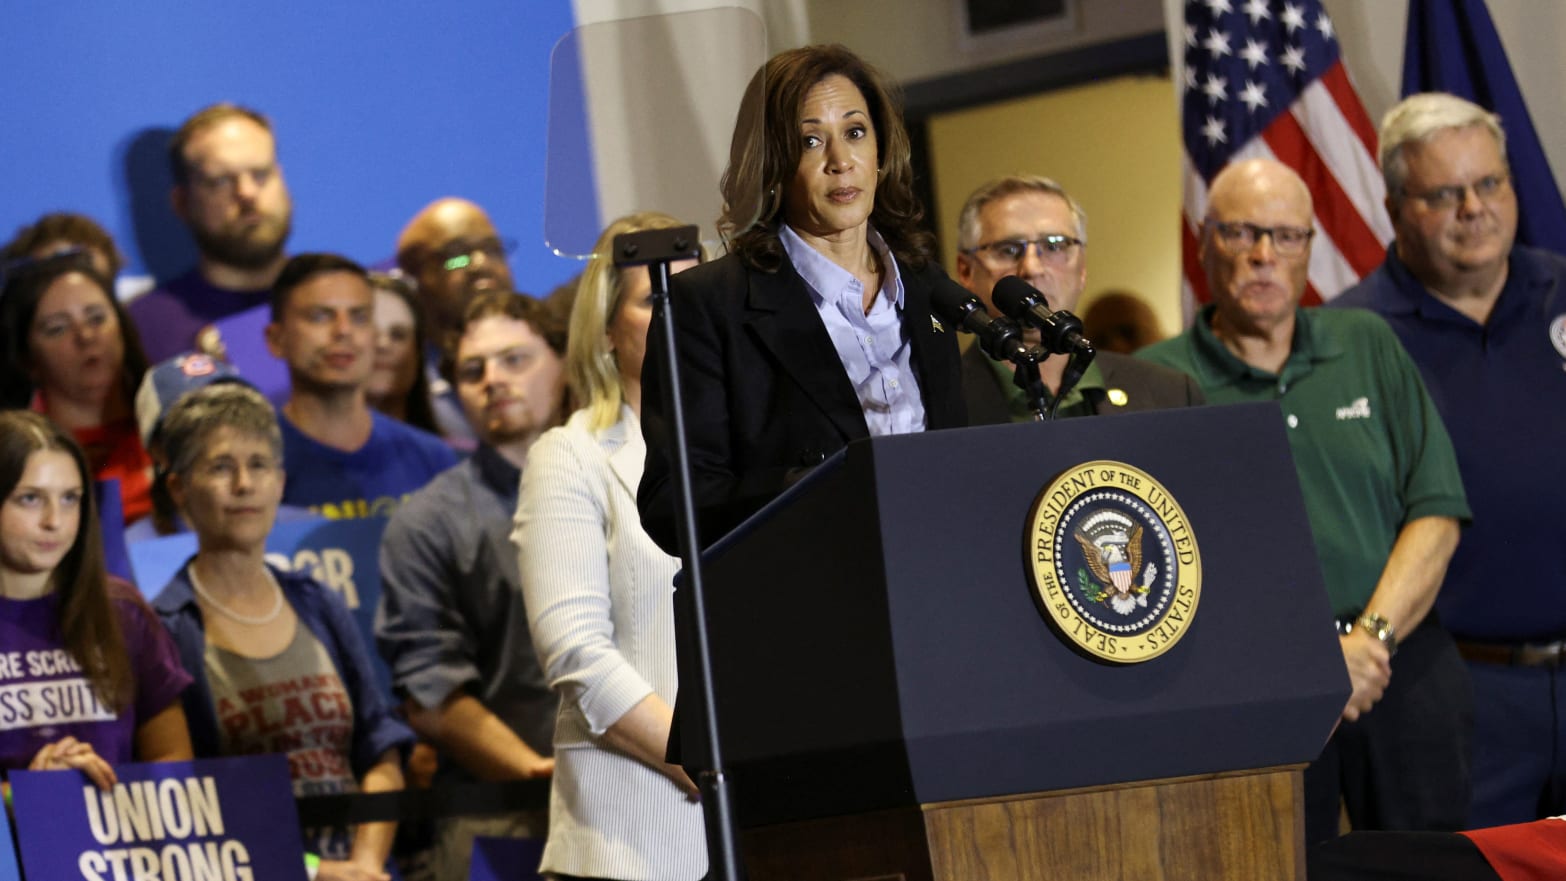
x=1239, y=237
x=459, y=254
x=71, y=255
x=1007, y=253
x=512, y=360
x=1449, y=197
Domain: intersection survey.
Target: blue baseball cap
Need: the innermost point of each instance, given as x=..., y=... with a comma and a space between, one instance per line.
x=172, y=379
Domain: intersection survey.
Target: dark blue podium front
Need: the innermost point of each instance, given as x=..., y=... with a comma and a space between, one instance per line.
x=876, y=641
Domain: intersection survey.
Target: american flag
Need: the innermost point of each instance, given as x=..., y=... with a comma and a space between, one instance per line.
x=1264, y=79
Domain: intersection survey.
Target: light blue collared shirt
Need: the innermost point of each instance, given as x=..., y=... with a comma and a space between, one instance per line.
x=874, y=348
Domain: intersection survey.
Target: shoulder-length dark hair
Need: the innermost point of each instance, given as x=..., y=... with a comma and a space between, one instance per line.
x=765, y=150
x=25, y=286
x=418, y=408
x=89, y=628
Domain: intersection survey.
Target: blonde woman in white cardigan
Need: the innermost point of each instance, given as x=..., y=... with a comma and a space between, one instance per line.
x=598, y=594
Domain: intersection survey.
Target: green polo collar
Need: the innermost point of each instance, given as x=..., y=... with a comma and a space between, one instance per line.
x=1017, y=407
x=1217, y=366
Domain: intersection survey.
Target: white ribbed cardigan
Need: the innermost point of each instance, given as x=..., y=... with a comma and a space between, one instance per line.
x=598, y=596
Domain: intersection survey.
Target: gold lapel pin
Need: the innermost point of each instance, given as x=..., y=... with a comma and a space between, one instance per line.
x=936, y=325
x=1118, y=397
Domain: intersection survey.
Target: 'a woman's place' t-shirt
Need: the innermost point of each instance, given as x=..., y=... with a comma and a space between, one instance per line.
x=45, y=696
x=292, y=703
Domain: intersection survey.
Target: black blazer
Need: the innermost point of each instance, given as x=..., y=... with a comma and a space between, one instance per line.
x=1148, y=386
x=766, y=396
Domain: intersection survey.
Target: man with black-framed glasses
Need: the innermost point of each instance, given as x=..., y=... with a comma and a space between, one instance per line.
x=1381, y=490
x=1030, y=227
x=1485, y=320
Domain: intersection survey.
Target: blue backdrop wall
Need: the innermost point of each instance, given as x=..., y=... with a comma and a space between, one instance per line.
x=378, y=108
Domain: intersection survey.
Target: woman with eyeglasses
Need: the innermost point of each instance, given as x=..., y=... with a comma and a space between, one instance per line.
x=277, y=661
x=597, y=592
x=101, y=681
x=815, y=329
x=71, y=353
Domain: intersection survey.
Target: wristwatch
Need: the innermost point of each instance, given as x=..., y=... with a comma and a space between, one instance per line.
x=1379, y=627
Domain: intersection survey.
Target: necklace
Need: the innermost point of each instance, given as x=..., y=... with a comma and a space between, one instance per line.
x=253, y=620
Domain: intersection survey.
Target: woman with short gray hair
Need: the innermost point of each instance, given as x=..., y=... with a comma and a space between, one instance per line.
x=262, y=643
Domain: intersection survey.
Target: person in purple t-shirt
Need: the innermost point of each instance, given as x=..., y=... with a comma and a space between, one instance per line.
x=229, y=191
x=88, y=677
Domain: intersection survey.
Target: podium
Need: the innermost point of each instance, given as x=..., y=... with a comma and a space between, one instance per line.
x=894, y=704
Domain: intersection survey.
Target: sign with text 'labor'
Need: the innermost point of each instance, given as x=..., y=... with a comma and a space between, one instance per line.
x=341, y=554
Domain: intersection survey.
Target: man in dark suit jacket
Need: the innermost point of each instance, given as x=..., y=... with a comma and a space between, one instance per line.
x=1030, y=227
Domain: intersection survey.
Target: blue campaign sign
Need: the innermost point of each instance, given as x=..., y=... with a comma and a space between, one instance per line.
x=341, y=554
x=243, y=337
x=506, y=859
x=229, y=819
x=8, y=869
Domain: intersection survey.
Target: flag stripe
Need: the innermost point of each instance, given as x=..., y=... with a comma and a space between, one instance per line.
x=1335, y=212
x=1354, y=167
x=1337, y=83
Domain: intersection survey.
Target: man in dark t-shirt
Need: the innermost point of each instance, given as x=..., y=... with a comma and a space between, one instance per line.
x=229, y=191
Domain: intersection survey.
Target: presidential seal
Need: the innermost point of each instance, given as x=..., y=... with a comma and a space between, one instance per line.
x=1114, y=563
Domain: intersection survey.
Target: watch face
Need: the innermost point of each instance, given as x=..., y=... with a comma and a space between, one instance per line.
x=1380, y=628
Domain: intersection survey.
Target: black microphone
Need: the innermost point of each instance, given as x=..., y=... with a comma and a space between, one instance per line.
x=1000, y=338
x=1059, y=332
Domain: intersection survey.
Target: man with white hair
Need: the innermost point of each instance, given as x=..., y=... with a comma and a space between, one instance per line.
x=1381, y=490
x=1485, y=320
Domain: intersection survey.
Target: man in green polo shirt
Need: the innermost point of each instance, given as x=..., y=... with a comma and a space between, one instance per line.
x=1381, y=490
x=1030, y=227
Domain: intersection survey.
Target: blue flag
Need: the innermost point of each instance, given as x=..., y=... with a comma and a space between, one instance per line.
x=1453, y=47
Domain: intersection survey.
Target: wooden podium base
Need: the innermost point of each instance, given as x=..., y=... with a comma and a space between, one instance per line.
x=1243, y=825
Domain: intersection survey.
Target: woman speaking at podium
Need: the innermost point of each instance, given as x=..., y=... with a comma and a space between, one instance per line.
x=815, y=329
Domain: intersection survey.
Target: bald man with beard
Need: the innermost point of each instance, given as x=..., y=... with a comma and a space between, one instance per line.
x=1381, y=490
x=452, y=251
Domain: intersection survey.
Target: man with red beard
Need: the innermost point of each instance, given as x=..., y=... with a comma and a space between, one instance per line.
x=451, y=624
x=1485, y=320
x=229, y=191
x=344, y=459
x=1381, y=490
x=452, y=251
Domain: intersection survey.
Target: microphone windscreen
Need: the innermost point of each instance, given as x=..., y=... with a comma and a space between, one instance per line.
x=952, y=302
x=1013, y=296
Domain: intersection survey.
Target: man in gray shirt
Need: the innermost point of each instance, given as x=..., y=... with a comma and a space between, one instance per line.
x=451, y=624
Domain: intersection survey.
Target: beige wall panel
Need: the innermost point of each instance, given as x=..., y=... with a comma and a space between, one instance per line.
x=1114, y=145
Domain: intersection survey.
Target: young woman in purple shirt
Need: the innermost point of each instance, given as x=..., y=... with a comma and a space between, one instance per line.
x=88, y=678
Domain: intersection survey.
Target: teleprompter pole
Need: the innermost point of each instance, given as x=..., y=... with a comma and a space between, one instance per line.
x=657, y=249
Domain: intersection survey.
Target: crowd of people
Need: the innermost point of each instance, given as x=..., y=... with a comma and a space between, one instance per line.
x=520, y=450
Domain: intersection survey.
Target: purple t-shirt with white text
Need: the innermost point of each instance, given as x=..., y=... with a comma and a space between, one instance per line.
x=44, y=696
